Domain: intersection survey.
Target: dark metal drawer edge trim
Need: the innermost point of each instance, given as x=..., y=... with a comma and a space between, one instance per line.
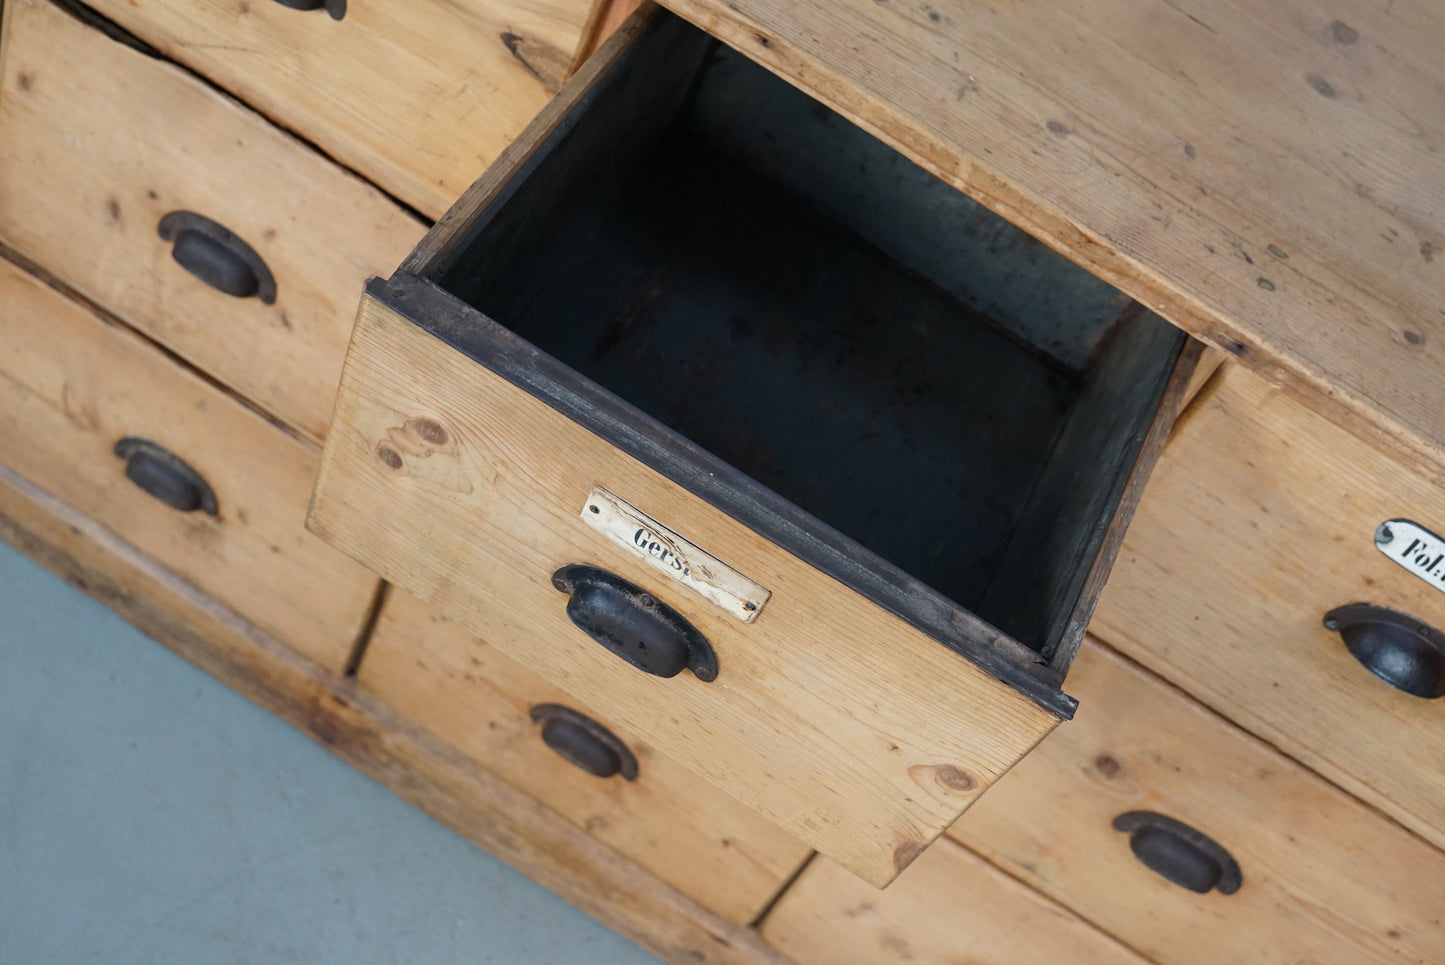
x=631, y=430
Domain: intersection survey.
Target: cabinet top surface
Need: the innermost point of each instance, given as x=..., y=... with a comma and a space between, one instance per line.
x=1268, y=176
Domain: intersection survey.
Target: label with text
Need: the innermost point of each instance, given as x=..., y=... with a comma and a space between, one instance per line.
x=667, y=552
x=1415, y=548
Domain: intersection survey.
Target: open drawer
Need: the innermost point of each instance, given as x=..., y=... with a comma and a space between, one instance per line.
x=757, y=439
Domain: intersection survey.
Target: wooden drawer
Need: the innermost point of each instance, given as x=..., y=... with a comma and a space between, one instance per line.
x=457, y=687
x=99, y=142
x=416, y=96
x=699, y=444
x=1260, y=521
x=1324, y=878
x=73, y=386
x=949, y=908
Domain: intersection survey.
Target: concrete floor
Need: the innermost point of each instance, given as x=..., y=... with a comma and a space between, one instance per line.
x=150, y=815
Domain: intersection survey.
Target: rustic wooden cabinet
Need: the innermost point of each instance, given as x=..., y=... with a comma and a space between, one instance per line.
x=178, y=277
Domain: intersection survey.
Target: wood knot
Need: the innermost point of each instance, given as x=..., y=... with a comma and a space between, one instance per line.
x=1108, y=765
x=389, y=456
x=905, y=854
x=947, y=776
x=428, y=430
x=1322, y=87
x=953, y=778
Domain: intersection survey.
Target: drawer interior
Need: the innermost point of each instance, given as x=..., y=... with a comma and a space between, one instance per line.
x=944, y=398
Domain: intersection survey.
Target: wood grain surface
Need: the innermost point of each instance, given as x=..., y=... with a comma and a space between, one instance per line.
x=418, y=97
x=950, y=908
x=1260, y=519
x=1269, y=177
x=454, y=685
x=836, y=720
x=72, y=385
x=1326, y=879
x=99, y=141
x=513, y=827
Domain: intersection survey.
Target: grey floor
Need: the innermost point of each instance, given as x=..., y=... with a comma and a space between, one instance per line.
x=150, y=815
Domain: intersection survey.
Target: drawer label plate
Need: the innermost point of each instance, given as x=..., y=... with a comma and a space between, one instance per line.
x=1415, y=548
x=670, y=554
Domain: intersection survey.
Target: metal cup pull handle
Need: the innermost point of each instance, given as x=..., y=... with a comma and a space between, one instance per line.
x=584, y=743
x=212, y=253
x=1402, y=651
x=1179, y=853
x=165, y=476
x=634, y=624
x=337, y=8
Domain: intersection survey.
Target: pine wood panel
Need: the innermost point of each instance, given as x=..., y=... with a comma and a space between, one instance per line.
x=836, y=720
x=1269, y=177
x=452, y=684
x=1326, y=879
x=950, y=907
x=510, y=825
x=419, y=97
x=72, y=385
x=1259, y=520
x=98, y=142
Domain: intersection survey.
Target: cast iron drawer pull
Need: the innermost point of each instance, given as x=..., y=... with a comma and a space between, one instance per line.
x=634, y=624
x=583, y=742
x=337, y=8
x=217, y=257
x=164, y=475
x=1178, y=852
x=1400, y=650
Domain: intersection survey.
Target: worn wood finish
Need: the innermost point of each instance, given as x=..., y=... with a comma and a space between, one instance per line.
x=360, y=730
x=454, y=685
x=98, y=142
x=71, y=386
x=1260, y=519
x=1326, y=879
x=1268, y=178
x=836, y=720
x=418, y=97
x=949, y=908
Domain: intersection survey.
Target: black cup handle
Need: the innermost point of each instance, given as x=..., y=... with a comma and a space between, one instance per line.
x=337, y=8
x=215, y=255
x=584, y=743
x=1179, y=853
x=634, y=624
x=164, y=475
x=1402, y=651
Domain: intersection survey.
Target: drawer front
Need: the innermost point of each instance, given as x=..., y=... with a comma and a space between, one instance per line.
x=1324, y=878
x=1259, y=521
x=950, y=907
x=416, y=96
x=100, y=142
x=838, y=721
x=73, y=386
x=455, y=686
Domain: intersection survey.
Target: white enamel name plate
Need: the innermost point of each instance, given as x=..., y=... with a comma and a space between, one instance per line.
x=670, y=554
x=1415, y=548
